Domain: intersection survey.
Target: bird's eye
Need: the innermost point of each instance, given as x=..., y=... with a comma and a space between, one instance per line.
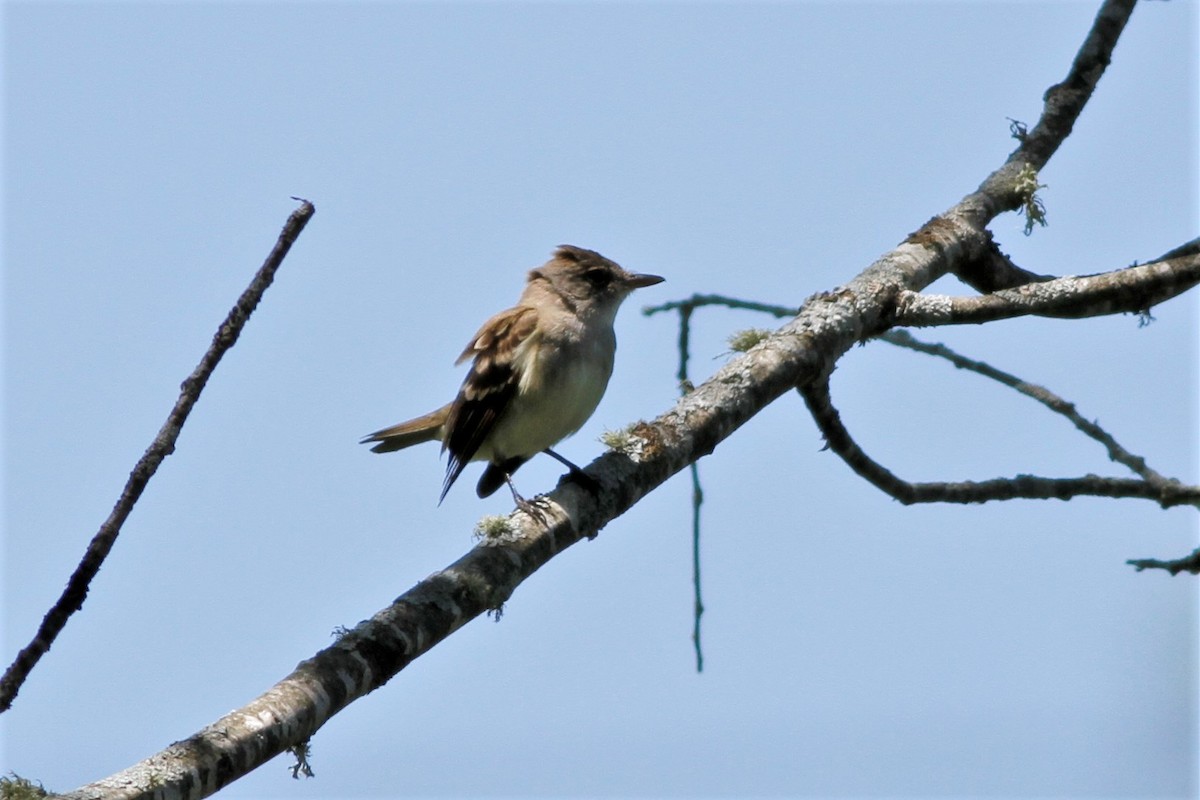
x=598, y=277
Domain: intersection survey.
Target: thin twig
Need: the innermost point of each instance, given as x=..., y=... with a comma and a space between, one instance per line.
x=1189, y=563
x=699, y=300
x=1049, y=399
x=685, y=386
x=163, y=445
x=1030, y=487
x=698, y=602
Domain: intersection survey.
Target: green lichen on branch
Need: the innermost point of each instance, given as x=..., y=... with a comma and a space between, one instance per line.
x=493, y=528
x=741, y=341
x=621, y=439
x=1026, y=186
x=14, y=787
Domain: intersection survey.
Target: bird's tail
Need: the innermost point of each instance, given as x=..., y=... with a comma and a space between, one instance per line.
x=422, y=429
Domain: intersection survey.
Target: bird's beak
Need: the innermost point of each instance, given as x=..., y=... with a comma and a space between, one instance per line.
x=642, y=281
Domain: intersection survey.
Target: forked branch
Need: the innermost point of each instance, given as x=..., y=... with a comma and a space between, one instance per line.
x=1150, y=485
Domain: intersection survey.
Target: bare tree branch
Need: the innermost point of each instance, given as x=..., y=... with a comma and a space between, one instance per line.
x=1130, y=290
x=994, y=271
x=685, y=386
x=1116, y=452
x=163, y=445
x=1186, y=249
x=699, y=300
x=1062, y=103
x=1166, y=487
x=802, y=352
x=1189, y=563
x=1151, y=486
x=1030, y=487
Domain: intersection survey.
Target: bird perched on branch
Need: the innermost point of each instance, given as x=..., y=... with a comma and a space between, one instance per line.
x=538, y=371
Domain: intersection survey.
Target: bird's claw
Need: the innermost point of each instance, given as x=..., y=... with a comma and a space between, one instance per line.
x=535, y=508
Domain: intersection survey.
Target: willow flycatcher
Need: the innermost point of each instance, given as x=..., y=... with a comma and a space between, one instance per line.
x=538, y=371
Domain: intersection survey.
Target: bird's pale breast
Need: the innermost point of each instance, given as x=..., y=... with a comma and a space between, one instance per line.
x=545, y=412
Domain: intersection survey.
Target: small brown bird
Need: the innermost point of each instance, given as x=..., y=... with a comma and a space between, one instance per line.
x=538, y=372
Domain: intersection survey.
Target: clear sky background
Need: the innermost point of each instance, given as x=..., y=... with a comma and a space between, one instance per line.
x=854, y=647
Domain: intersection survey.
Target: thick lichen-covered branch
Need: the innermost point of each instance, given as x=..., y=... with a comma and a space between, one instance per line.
x=1132, y=290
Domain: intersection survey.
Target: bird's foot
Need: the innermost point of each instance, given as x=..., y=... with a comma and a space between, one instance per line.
x=535, y=508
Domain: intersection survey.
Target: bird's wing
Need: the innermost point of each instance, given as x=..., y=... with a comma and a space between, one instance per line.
x=499, y=351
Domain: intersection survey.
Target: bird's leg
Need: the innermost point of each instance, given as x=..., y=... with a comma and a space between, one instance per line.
x=577, y=474
x=535, y=508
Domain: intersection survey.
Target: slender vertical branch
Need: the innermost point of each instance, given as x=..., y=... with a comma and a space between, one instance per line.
x=698, y=603
x=685, y=386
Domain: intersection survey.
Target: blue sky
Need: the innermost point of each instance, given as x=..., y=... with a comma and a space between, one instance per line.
x=854, y=647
